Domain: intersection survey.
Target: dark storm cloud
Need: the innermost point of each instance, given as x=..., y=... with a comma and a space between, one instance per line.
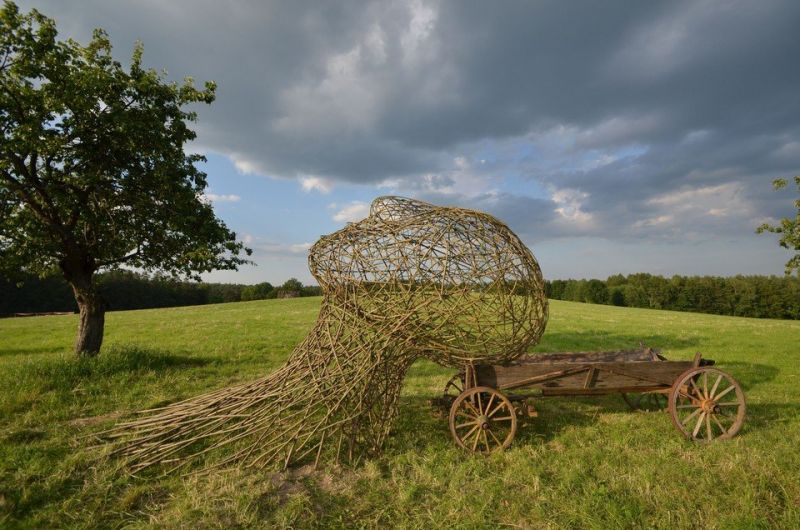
x=691, y=107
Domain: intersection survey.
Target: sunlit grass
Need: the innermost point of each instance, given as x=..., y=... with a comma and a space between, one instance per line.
x=583, y=463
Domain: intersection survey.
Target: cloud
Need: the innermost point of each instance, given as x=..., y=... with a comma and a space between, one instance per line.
x=316, y=183
x=566, y=133
x=355, y=211
x=268, y=248
x=213, y=197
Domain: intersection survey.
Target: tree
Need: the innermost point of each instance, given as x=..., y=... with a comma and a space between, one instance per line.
x=595, y=292
x=93, y=173
x=259, y=291
x=788, y=228
x=290, y=288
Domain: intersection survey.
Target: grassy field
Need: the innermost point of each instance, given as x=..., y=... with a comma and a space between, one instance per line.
x=583, y=463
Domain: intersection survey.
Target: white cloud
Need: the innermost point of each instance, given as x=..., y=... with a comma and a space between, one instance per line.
x=702, y=198
x=298, y=248
x=569, y=203
x=420, y=27
x=316, y=183
x=213, y=197
x=281, y=249
x=660, y=220
x=461, y=180
x=355, y=211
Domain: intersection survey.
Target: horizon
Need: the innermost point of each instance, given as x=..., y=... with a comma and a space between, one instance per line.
x=612, y=139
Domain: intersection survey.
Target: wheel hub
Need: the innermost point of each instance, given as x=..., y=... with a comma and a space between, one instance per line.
x=483, y=421
x=709, y=405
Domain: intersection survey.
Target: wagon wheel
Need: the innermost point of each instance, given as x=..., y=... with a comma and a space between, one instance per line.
x=454, y=386
x=706, y=404
x=482, y=420
x=647, y=401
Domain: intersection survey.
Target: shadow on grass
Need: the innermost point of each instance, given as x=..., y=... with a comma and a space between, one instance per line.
x=604, y=340
x=66, y=372
x=38, y=350
x=769, y=415
x=749, y=375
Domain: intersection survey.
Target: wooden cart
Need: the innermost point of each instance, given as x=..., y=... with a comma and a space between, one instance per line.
x=486, y=402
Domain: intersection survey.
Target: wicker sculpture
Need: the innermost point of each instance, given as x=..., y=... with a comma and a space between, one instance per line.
x=411, y=280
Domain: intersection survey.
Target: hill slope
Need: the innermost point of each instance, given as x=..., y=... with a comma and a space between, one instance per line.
x=582, y=462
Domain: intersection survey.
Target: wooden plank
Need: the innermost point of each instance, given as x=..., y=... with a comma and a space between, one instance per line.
x=547, y=392
x=591, y=378
x=661, y=373
x=642, y=354
x=541, y=378
x=629, y=374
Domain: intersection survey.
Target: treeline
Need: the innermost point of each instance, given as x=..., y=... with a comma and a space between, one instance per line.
x=130, y=290
x=747, y=296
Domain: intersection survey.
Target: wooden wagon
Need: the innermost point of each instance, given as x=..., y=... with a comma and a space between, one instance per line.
x=485, y=403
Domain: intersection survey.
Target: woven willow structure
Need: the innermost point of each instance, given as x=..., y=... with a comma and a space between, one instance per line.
x=411, y=280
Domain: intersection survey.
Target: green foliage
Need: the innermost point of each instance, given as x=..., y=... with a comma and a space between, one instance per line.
x=788, y=228
x=260, y=291
x=291, y=288
x=123, y=289
x=93, y=172
x=582, y=463
x=751, y=296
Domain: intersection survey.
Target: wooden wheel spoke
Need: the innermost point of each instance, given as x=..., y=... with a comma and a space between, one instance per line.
x=712, y=418
x=466, y=436
x=495, y=438
x=486, y=441
x=497, y=408
x=697, y=389
x=690, y=416
x=477, y=438
x=489, y=405
x=714, y=388
x=721, y=428
x=724, y=392
x=470, y=405
x=699, y=424
x=475, y=412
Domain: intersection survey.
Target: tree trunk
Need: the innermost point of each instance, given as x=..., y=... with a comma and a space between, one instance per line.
x=92, y=316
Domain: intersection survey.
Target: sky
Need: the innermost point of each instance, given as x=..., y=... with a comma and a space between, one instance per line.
x=612, y=137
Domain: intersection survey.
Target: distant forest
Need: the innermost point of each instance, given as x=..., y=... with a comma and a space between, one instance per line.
x=744, y=296
x=130, y=290
x=749, y=296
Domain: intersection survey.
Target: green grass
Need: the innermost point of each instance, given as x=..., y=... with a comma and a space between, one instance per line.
x=583, y=463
